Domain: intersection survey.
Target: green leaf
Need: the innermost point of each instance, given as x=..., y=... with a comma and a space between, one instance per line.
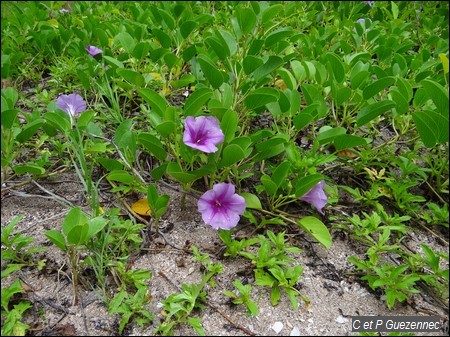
x=74, y=218
x=196, y=101
x=271, y=64
x=246, y=19
x=28, y=168
x=162, y=37
x=261, y=97
x=372, y=111
x=251, y=63
x=337, y=67
x=288, y=79
x=126, y=41
x=152, y=144
x=277, y=36
x=184, y=81
x=187, y=28
x=9, y=117
x=432, y=127
x=155, y=100
x=125, y=139
x=377, y=86
x=251, y=200
x=121, y=176
x=57, y=238
x=280, y=173
x=183, y=177
x=271, y=12
x=231, y=154
x=113, y=62
x=214, y=76
x=438, y=95
x=402, y=105
x=316, y=229
x=219, y=46
x=327, y=134
x=228, y=124
x=342, y=142
x=304, y=184
x=95, y=225
x=131, y=76
x=269, y=186
x=29, y=130
x=141, y=50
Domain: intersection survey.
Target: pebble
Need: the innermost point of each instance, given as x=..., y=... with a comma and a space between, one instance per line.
x=277, y=327
x=341, y=320
x=295, y=332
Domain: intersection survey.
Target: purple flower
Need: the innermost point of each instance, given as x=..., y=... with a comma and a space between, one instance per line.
x=370, y=3
x=63, y=10
x=221, y=207
x=93, y=50
x=72, y=104
x=316, y=196
x=202, y=133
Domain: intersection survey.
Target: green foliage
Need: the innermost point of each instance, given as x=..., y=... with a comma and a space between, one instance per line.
x=131, y=307
x=13, y=325
x=303, y=92
x=179, y=307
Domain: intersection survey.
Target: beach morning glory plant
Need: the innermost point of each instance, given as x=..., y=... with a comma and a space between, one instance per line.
x=202, y=133
x=316, y=196
x=72, y=104
x=221, y=207
x=92, y=50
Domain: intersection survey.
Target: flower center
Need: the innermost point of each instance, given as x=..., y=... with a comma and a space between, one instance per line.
x=218, y=204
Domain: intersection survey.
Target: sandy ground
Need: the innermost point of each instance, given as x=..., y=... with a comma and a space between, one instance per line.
x=335, y=295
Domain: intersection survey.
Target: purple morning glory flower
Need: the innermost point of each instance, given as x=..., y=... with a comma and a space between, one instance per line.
x=221, y=207
x=93, y=50
x=63, y=10
x=72, y=104
x=316, y=196
x=370, y=3
x=202, y=133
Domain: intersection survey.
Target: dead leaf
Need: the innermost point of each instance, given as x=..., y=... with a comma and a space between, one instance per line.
x=141, y=207
x=347, y=153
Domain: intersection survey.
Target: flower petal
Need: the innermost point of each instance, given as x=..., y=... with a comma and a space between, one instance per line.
x=316, y=196
x=92, y=50
x=72, y=104
x=221, y=207
x=202, y=133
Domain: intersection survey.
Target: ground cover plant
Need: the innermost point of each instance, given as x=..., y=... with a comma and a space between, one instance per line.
x=292, y=118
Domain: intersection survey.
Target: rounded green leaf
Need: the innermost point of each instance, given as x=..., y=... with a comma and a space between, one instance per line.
x=251, y=200
x=316, y=229
x=231, y=154
x=306, y=183
x=228, y=124
x=28, y=168
x=78, y=235
x=196, y=101
x=261, y=97
x=438, y=95
x=337, y=67
x=246, y=19
x=29, y=130
x=377, y=86
x=57, y=238
x=155, y=100
x=131, y=76
x=370, y=112
x=214, y=76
